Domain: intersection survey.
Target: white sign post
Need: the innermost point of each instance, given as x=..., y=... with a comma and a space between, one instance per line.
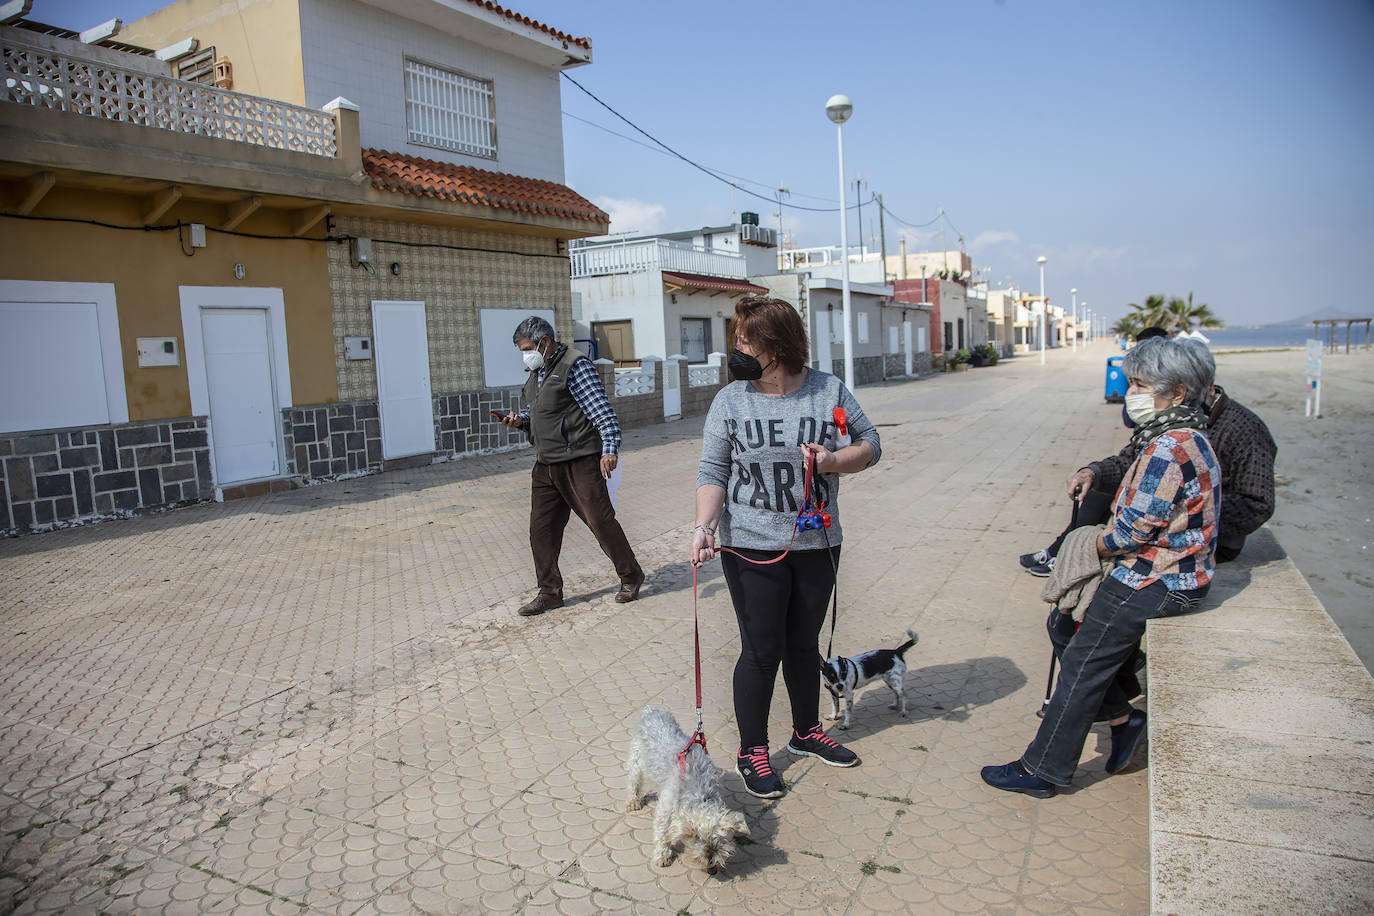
x=1314, y=377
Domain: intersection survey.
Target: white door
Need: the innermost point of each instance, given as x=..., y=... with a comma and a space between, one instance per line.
x=906, y=339
x=823, y=334
x=244, y=426
x=672, y=386
x=401, y=353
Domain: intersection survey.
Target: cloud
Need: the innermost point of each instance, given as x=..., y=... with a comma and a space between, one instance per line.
x=990, y=237
x=631, y=215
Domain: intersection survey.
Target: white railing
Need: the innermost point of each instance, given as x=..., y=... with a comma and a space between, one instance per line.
x=601, y=258
x=634, y=380
x=801, y=258
x=45, y=78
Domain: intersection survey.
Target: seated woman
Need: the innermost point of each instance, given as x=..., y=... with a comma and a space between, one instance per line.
x=1162, y=533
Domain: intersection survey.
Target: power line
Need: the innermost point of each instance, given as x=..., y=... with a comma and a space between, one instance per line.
x=720, y=176
x=719, y=171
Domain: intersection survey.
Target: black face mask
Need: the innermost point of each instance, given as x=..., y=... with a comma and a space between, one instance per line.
x=745, y=367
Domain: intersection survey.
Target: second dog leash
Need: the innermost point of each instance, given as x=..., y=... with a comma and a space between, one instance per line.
x=698, y=736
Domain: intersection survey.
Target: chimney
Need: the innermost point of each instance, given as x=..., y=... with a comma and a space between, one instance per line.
x=902, y=268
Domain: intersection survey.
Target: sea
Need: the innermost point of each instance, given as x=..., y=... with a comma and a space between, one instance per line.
x=1274, y=336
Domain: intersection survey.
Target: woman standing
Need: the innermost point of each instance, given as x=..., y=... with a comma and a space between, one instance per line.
x=1162, y=535
x=760, y=433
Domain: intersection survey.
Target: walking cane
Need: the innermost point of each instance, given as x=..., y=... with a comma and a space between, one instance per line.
x=1049, y=681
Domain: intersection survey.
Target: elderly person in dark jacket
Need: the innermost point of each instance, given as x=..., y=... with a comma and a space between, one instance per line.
x=1161, y=536
x=1244, y=447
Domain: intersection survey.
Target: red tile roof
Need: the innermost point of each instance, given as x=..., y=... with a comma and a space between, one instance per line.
x=465, y=184
x=727, y=284
x=510, y=14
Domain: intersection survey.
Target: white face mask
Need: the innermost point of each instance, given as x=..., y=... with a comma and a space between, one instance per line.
x=534, y=360
x=1140, y=408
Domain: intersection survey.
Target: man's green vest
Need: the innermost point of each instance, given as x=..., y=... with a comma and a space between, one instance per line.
x=559, y=430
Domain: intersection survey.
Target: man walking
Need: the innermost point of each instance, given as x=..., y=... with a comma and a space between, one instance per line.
x=576, y=439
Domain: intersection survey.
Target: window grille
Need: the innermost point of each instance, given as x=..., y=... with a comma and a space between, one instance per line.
x=449, y=110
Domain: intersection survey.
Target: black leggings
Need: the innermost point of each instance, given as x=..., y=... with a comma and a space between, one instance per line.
x=780, y=609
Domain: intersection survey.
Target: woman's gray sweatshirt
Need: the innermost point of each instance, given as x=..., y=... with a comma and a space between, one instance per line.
x=751, y=446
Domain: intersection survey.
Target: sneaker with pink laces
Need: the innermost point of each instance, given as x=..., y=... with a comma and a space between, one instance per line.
x=759, y=779
x=815, y=743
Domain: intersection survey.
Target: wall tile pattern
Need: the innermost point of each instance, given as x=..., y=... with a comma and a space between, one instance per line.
x=452, y=284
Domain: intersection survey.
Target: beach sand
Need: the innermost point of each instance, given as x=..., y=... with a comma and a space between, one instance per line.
x=1325, y=511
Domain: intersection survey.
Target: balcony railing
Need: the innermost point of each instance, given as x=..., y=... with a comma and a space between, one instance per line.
x=602, y=258
x=56, y=80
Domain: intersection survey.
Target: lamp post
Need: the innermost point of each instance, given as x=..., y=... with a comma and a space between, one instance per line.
x=1088, y=322
x=838, y=109
x=1074, y=291
x=1044, y=308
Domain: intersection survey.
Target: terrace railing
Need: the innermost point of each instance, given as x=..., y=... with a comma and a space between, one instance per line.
x=60, y=81
x=602, y=258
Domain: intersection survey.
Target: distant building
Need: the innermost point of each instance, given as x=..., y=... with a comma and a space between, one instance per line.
x=660, y=295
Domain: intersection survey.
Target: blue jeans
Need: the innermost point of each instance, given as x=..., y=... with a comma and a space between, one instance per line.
x=1113, y=624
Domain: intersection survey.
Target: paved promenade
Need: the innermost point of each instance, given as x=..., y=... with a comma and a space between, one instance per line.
x=322, y=701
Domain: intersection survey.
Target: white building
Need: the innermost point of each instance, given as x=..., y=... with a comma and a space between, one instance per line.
x=661, y=295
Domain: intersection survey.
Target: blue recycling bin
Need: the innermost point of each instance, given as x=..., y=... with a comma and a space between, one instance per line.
x=1115, y=391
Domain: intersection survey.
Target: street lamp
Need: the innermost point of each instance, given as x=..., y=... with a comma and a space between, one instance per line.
x=1074, y=291
x=838, y=109
x=1044, y=308
x=1088, y=322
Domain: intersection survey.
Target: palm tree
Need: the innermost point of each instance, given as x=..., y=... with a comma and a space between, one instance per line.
x=1153, y=313
x=1129, y=324
x=1184, y=315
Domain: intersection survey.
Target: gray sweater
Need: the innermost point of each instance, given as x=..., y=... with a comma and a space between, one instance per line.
x=751, y=446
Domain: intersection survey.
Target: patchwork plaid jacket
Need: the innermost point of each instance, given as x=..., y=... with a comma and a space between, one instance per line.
x=1165, y=514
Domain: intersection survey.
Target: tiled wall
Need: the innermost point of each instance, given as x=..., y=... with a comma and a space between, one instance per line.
x=453, y=285
x=60, y=477
x=330, y=440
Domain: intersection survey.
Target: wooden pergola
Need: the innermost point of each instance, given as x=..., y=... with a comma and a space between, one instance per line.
x=1331, y=331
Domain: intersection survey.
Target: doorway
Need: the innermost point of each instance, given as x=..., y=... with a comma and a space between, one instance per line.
x=615, y=340
x=401, y=356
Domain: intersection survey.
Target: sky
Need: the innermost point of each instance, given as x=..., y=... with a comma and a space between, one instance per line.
x=1223, y=148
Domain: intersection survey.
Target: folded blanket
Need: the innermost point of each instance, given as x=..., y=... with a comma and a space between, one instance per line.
x=1078, y=571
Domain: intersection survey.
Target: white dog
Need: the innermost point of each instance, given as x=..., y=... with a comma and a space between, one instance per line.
x=689, y=808
x=843, y=676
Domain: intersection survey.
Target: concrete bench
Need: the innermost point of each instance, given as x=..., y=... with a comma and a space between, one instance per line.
x=1261, y=750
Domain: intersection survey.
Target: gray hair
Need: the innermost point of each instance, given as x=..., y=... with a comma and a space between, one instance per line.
x=1163, y=363
x=533, y=329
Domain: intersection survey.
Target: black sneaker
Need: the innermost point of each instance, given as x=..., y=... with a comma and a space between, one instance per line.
x=1042, y=569
x=815, y=743
x=751, y=763
x=1039, y=558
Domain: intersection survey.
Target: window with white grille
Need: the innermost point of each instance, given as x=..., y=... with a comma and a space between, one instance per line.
x=450, y=110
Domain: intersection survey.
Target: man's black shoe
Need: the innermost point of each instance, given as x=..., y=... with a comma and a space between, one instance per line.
x=1039, y=558
x=629, y=589
x=540, y=604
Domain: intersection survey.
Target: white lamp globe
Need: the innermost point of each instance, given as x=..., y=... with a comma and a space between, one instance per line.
x=838, y=108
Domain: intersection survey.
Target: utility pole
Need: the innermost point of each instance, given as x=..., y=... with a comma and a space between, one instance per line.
x=944, y=254
x=882, y=237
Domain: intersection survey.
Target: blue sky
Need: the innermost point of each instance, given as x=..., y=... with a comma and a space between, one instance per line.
x=1225, y=148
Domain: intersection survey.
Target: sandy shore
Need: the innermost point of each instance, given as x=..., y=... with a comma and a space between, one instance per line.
x=1325, y=513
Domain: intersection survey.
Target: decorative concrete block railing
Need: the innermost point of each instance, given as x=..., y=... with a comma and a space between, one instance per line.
x=635, y=380
x=57, y=80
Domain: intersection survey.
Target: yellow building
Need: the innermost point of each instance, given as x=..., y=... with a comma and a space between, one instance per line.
x=205, y=293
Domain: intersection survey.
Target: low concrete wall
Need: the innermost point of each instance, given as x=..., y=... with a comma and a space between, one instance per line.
x=1261, y=750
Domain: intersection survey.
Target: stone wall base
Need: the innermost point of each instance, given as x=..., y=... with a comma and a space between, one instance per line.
x=57, y=478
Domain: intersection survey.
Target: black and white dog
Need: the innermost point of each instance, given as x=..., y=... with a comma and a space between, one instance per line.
x=843, y=676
